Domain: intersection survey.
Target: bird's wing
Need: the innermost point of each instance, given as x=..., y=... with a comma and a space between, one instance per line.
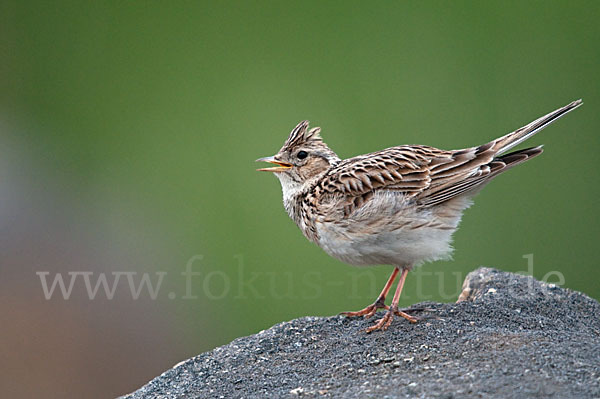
x=424, y=174
x=471, y=175
x=402, y=168
x=406, y=169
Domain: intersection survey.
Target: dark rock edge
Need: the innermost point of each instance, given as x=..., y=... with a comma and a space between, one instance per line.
x=507, y=336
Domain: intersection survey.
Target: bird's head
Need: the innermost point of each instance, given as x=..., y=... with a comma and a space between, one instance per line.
x=303, y=157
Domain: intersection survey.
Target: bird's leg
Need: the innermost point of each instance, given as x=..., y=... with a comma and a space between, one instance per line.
x=379, y=303
x=386, y=320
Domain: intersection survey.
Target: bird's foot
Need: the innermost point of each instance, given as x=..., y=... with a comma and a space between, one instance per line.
x=369, y=310
x=386, y=320
x=408, y=317
x=419, y=309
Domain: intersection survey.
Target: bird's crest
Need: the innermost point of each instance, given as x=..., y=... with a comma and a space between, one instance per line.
x=301, y=135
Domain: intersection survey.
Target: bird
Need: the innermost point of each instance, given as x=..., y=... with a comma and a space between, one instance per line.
x=399, y=206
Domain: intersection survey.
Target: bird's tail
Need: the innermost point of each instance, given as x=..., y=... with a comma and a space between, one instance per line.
x=505, y=143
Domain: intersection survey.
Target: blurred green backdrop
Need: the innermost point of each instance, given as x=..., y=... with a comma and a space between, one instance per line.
x=128, y=133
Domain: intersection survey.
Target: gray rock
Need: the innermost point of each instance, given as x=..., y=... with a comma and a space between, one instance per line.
x=509, y=336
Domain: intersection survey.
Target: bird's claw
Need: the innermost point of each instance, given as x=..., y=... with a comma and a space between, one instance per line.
x=386, y=320
x=367, y=312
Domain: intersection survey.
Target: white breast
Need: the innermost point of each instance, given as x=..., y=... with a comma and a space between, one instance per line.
x=391, y=230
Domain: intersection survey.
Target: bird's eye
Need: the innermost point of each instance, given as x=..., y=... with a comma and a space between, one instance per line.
x=302, y=154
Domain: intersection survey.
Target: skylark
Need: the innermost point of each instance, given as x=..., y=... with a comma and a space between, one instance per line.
x=398, y=206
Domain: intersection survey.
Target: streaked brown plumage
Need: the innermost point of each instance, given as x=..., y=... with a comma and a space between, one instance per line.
x=397, y=206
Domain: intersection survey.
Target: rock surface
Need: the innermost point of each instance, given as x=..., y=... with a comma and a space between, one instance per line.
x=509, y=336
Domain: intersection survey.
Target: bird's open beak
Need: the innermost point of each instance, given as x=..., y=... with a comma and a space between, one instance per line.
x=282, y=165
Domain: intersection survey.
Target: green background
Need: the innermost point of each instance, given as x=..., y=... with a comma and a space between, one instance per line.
x=129, y=130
